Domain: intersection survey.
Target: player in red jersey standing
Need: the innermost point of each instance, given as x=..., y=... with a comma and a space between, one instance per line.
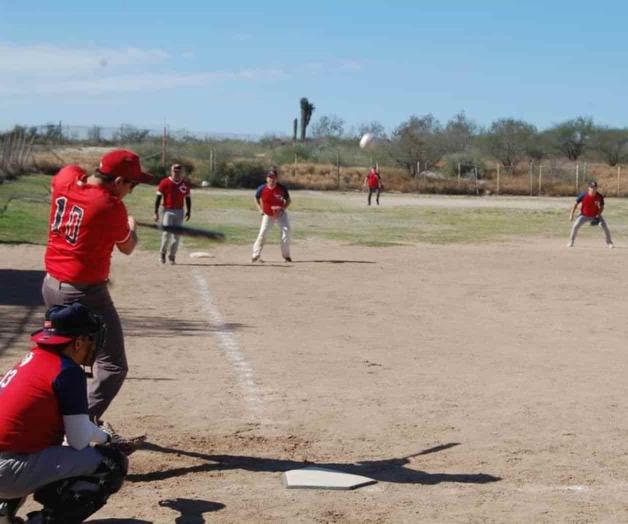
x=591, y=207
x=87, y=220
x=272, y=200
x=42, y=399
x=174, y=190
x=374, y=183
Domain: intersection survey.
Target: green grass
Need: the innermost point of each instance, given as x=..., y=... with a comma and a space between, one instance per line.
x=312, y=215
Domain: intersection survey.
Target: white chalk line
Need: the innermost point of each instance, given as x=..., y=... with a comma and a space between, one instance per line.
x=229, y=346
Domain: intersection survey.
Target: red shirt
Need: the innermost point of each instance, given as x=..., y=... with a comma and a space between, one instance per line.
x=34, y=397
x=174, y=193
x=272, y=198
x=86, y=221
x=591, y=204
x=373, y=180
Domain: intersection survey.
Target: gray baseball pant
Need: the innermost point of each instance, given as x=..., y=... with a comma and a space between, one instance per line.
x=581, y=220
x=23, y=474
x=110, y=366
x=171, y=217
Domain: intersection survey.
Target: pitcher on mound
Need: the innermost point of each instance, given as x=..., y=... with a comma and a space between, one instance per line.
x=272, y=199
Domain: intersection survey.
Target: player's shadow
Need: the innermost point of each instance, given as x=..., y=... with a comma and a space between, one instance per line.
x=333, y=261
x=392, y=470
x=160, y=326
x=118, y=521
x=20, y=289
x=191, y=510
x=258, y=265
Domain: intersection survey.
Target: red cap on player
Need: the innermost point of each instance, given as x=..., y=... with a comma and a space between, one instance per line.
x=126, y=164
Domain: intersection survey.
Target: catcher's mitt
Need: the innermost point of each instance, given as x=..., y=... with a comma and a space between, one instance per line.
x=125, y=445
x=595, y=221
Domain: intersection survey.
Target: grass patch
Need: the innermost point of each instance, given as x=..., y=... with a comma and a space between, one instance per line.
x=329, y=216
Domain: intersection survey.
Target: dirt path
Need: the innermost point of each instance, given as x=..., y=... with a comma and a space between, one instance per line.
x=500, y=368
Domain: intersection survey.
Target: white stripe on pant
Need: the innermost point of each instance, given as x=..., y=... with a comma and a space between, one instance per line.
x=581, y=220
x=267, y=224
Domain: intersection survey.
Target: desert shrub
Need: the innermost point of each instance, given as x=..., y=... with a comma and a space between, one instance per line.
x=240, y=175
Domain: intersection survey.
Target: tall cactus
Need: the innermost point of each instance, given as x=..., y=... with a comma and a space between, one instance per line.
x=307, y=108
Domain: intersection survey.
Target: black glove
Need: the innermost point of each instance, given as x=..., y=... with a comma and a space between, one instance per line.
x=595, y=221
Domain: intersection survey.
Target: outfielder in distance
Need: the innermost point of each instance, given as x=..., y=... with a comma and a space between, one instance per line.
x=42, y=399
x=374, y=183
x=174, y=190
x=591, y=208
x=272, y=199
x=87, y=220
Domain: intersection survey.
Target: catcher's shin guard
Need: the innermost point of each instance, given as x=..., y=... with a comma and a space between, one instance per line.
x=71, y=501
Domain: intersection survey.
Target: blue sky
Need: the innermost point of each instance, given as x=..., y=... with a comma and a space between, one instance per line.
x=241, y=66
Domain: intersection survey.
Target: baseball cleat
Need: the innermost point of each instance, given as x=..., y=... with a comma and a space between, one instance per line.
x=610, y=245
x=287, y=259
x=172, y=262
x=162, y=258
x=254, y=259
x=570, y=244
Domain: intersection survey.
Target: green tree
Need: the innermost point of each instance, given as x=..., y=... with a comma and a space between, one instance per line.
x=572, y=137
x=610, y=144
x=507, y=140
x=418, y=140
x=459, y=133
x=328, y=126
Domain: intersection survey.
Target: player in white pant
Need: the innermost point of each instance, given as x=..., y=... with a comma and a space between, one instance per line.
x=272, y=200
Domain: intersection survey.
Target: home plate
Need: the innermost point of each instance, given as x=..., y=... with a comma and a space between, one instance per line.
x=201, y=254
x=322, y=478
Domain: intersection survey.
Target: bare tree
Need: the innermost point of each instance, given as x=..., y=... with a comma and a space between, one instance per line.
x=328, y=126
x=373, y=127
x=307, y=109
x=508, y=139
x=130, y=134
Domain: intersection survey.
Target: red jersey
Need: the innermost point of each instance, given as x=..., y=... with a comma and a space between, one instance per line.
x=272, y=198
x=174, y=193
x=86, y=221
x=591, y=204
x=34, y=397
x=373, y=179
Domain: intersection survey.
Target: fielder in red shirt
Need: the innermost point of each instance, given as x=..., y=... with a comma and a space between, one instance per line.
x=374, y=183
x=42, y=400
x=591, y=207
x=87, y=221
x=174, y=190
x=272, y=199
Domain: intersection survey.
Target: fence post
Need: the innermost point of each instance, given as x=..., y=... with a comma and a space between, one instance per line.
x=458, y=173
x=418, y=168
x=618, y=175
x=477, y=189
x=540, y=178
x=294, y=166
x=211, y=161
x=531, y=167
x=498, y=178
x=338, y=168
x=577, y=176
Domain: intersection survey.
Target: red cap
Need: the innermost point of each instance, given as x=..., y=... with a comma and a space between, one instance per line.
x=126, y=164
x=49, y=337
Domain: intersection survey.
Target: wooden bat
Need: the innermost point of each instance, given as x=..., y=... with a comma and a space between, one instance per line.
x=194, y=232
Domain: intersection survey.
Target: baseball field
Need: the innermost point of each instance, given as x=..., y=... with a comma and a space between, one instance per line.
x=453, y=349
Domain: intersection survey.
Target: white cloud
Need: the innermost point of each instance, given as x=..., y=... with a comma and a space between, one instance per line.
x=55, y=61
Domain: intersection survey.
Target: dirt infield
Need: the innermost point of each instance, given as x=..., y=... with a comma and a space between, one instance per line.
x=476, y=383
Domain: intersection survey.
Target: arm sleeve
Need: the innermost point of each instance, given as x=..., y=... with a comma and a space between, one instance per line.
x=81, y=432
x=188, y=203
x=157, y=202
x=580, y=197
x=70, y=388
x=160, y=186
x=601, y=200
x=119, y=225
x=285, y=192
x=258, y=193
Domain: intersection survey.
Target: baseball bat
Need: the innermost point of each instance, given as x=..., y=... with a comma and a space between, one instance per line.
x=194, y=232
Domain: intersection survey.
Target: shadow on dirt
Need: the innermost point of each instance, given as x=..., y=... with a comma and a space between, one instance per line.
x=21, y=290
x=165, y=326
x=191, y=510
x=392, y=470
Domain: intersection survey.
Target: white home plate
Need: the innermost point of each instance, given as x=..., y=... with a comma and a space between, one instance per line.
x=201, y=254
x=321, y=478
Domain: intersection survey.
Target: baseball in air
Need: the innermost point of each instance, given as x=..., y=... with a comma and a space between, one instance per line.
x=204, y=183
x=367, y=140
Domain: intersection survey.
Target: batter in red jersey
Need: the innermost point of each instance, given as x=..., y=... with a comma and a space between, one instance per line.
x=43, y=400
x=87, y=221
x=591, y=207
x=175, y=191
x=272, y=200
x=374, y=184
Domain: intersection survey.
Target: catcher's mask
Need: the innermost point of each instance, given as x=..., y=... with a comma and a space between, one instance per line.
x=63, y=324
